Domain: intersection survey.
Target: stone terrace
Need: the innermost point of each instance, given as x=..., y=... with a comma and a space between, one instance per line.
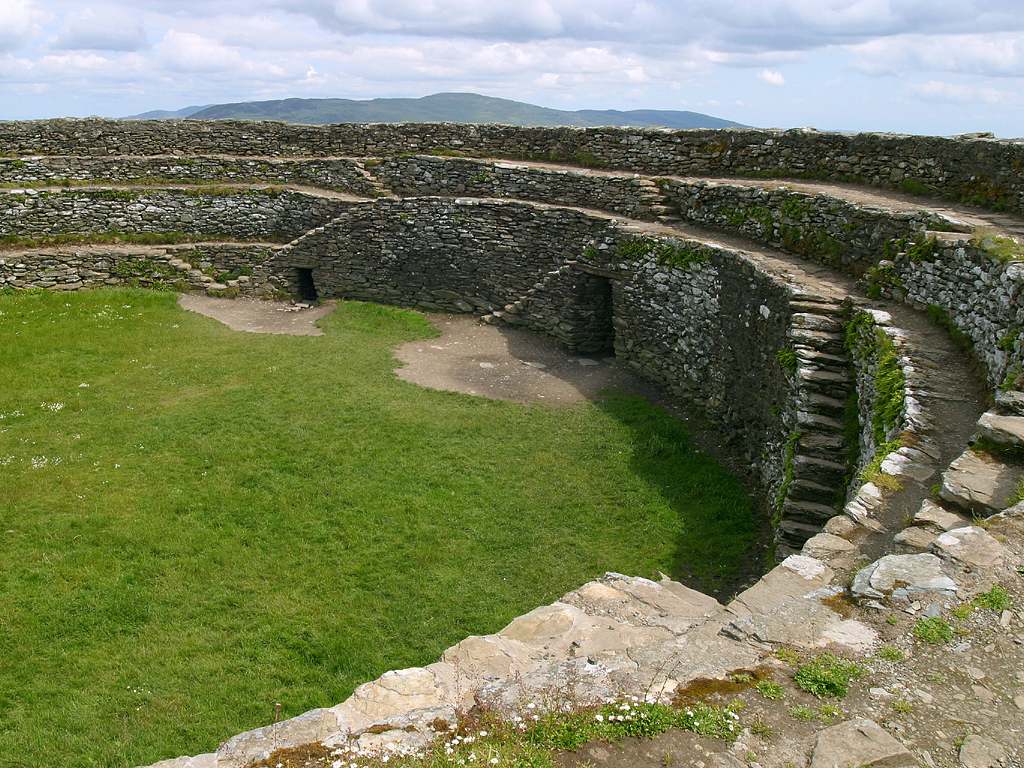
x=752, y=274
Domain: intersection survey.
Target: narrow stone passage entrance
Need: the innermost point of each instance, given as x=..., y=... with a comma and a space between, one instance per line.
x=595, y=308
x=306, y=284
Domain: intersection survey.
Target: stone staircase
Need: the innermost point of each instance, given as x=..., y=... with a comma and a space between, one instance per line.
x=313, y=232
x=512, y=313
x=656, y=205
x=377, y=186
x=824, y=384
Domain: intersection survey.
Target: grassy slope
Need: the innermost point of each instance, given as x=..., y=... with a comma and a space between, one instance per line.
x=239, y=519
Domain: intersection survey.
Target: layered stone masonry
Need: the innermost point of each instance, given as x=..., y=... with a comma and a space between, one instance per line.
x=821, y=228
x=975, y=169
x=962, y=286
x=628, y=195
x=181, y=267
x=234, y=214
x=339, y=174
x=442, y=254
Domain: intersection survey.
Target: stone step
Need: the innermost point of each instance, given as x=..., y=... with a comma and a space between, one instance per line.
x=934, y=517
x=825, y=307
x=980, y=484
x=816, y=402
x=818, y=422
x=824, y=442
x=1007, y=431
x=816, y=322
x=809, y=354
x=818, y=470
x=1010, y=402
x=826, y=341
x=795, y=532
x=823, y=375
x=808, y=490
x=808, y=512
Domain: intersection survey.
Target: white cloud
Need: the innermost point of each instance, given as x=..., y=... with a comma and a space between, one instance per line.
x=937, y=90
x=104, y=29
x=17, y=21
x=992, y=55
x=569, y=53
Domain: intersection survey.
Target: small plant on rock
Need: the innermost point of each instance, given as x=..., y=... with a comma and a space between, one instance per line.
x=934, y=630
x=829, y=713
x=828, y=676
x=903, y=706
x=891, y=653
x=996, y=599
x=770, y=690
x=802, y=712
x=763, y=729
x=787, y=656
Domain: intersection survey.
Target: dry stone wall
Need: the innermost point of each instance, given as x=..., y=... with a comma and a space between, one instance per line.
x=339, y=174
x=976, y=169
x=964, y=286
x=179, y=267
x=712, y=323
x=626, y=195
x=708, y=327
x=253, y=214
x=820, y=228
x=456, y=255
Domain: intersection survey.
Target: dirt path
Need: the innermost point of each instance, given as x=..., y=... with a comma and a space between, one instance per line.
x=252, y=316
x=508, y=364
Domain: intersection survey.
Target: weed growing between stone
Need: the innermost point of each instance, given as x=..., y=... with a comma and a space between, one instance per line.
x=530, y=738
x=185, y=504
x=828, y=676
x=933, y=630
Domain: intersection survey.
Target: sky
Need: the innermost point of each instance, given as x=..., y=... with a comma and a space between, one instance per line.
x=914, y=66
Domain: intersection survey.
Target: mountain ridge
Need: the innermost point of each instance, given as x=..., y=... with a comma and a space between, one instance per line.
x=438, y=107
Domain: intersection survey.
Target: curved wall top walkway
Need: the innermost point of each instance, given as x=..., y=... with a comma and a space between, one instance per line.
x=975, y=169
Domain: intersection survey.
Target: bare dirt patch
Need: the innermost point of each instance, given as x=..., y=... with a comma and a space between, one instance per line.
x=253, y=316
x=509, y=364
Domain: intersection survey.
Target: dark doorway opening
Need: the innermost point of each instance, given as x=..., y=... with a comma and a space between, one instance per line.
x=307, y=288
x=595, y=332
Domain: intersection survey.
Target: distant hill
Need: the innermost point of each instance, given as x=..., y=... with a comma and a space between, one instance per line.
x=441, y=107
x=167, y=114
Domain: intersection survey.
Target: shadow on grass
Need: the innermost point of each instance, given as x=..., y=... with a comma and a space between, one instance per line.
x=724, y=530
x=719, y=548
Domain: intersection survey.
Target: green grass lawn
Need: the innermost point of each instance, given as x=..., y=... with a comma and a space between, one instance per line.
x=196, y=523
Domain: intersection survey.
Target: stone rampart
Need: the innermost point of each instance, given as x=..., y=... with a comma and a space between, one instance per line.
x=233, y=214
x=978, y=170
x=338, y=174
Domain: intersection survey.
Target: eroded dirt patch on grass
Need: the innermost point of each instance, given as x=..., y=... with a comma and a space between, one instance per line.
x=254, y=316
x=509, y=364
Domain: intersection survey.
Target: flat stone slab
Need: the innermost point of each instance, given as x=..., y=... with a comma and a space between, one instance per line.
x=971, y=546
x=913, y=573
x=931, y=515
x=980, y=483
x=981, y=752
x=1005, y=430
x=1010, y=401
x=858, y=743
x=787, y=607
x=915, y=537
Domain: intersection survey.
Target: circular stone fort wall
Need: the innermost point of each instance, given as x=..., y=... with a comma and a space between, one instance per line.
x=836, y=305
